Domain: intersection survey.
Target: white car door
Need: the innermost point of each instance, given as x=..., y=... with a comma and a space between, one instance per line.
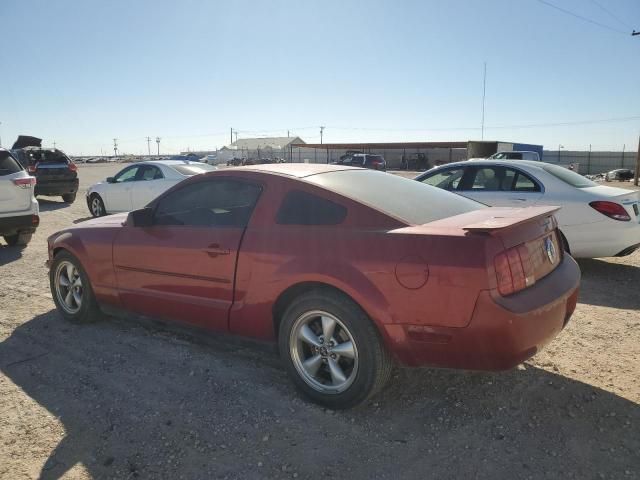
x=150, y=183
x=500, y=186
x=117, y=193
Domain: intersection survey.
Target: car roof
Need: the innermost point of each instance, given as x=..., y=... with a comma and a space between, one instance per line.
x=168, y=162
x=298, y=170
x=506, y=163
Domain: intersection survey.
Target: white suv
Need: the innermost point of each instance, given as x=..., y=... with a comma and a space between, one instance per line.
x=18, y=206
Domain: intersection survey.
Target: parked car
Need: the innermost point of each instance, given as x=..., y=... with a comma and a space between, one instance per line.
x=365, y=160
x=18, y=207
x=596, y=220
x=516, y=155
x=619, y=175
x=56, y=174
x=136, y=185
x=275, y=252
x=210, y=159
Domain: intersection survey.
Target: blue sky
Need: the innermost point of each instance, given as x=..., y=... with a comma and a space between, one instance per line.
x=83, y=72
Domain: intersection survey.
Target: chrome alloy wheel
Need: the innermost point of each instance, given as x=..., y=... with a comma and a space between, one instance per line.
x=96, y=207
x=323, y=352
x=68, y=284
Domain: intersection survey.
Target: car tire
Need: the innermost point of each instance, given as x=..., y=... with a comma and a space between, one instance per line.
x=19, y=239
x=75, y=304
x=565, y=243
x=69, y=197
x=343, y=371
x=96, y=206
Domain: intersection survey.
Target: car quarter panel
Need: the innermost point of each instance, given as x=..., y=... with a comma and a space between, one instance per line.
x=361, y=257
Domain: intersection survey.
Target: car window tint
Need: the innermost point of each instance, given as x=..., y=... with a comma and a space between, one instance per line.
x=525, y=184
x=301, y=208
x=567, y=176
x=209, y=204
x=150, y=172
x=127, y=175
x=448, y=179
x=8, y=164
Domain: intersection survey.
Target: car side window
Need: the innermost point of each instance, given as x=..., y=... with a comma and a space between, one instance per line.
x=301, y=208
x=151, y=172
x=524, y=183
x=447, y=179
x=127, y=175
x=212, y=203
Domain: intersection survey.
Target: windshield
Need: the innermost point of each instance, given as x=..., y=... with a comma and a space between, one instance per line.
x=408, y=200
x=567, y=176
x=193, y=169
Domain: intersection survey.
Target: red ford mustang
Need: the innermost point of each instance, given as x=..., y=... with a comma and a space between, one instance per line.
x=349, y=270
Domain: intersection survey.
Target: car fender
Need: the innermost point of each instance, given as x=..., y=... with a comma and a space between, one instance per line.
x=342, y=276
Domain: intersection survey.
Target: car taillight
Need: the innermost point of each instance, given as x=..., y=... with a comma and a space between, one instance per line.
x=611, y=210
x=32, y=168
x=35, y=220
x=73, y=167
x=24, y=182
x=514, y=271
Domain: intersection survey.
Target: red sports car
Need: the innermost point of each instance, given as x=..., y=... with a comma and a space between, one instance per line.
x=349, y=270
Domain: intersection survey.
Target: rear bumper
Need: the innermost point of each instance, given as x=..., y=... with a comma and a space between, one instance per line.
x=608, y=238
x=22, y=223
x=502, y=333
x=57, y=187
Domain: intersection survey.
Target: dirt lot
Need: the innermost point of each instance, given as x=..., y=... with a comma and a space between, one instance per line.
x=122, y=399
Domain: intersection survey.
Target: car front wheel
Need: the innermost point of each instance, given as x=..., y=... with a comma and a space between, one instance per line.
x=71, y=290
x=96, y=206
x=332, y=350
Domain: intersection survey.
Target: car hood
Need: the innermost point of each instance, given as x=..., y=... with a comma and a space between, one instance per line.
x=26, y=141
x=107, y=221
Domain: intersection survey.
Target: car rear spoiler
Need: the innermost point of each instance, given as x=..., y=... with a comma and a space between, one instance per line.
x=509, y=217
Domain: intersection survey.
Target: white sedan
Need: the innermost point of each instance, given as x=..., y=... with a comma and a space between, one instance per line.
x=137, y=184
x=596, y=220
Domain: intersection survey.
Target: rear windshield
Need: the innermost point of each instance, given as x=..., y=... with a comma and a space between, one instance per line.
x=8, y=164
x=410, y=201
x=193, y=169
x=45, y=156
x=567, y=176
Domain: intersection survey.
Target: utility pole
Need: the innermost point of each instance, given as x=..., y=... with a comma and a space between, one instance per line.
x=158, y=142
x=635, y=181
x=115, y=147
x=235, y=132
x=231, y=137
x=321, y=131
x=484, y=95
x=149, y=146
x=0, y=137
x=287, y=133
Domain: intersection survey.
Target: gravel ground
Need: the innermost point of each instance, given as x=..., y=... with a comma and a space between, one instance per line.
x=131, y=399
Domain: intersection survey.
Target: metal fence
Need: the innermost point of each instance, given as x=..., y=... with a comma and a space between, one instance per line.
x=591, y=162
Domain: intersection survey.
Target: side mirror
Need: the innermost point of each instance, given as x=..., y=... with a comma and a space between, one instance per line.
x=140, y=218
x=111, y=180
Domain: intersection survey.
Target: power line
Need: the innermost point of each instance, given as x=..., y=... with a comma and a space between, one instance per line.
x=585, y=19
x=602, y=7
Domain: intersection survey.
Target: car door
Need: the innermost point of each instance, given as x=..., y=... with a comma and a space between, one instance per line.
x=150, y=183
x=183, y=266
x=117, y=195
x=500, y=186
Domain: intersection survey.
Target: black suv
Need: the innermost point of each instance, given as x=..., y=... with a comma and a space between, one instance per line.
x=56, y=174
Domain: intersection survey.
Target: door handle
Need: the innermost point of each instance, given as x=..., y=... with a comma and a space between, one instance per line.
x=215, y=249
x=519, y=199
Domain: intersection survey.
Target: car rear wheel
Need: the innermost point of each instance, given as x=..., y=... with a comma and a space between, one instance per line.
x=96, y=205
x=332, y=350
x=71, y=289
x=69, y=197
x=20, y=239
